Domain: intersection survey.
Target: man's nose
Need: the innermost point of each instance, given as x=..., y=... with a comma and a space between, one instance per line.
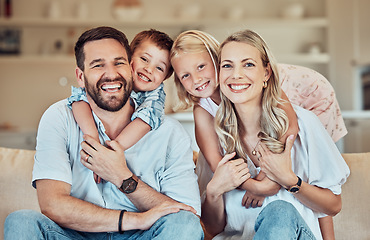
x=111, y=72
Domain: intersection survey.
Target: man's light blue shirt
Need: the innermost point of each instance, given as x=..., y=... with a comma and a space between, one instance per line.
x=162, y=159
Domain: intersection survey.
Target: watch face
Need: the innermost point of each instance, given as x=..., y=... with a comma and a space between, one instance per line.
x=129, y=185
x=294, y=189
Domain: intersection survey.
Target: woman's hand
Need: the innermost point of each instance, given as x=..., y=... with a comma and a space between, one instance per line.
x=278, y=167
x=228, y=175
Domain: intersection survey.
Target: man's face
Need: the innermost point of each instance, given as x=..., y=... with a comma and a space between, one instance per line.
x=107, y=75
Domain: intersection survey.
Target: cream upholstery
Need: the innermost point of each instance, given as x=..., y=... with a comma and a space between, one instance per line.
x=353, y=222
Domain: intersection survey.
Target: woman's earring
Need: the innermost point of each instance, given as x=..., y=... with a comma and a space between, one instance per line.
x=264, y=84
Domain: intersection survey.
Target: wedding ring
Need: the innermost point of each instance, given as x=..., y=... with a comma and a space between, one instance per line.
x=87, y=158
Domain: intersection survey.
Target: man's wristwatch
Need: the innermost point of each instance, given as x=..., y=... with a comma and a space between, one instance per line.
x=295, y=188
x=129, y=185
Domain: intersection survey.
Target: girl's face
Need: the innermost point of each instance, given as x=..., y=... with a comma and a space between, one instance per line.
x=242, y=73
x=196, y=73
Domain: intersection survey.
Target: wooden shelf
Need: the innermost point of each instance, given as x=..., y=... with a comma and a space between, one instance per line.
x=71, y=22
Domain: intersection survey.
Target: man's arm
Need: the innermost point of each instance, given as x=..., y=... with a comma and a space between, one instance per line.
x=70, y=212
x=110, y=164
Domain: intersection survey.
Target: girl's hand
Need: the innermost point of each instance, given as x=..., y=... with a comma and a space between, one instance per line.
x=277, y=167
x=228, y=175
x=252, y=200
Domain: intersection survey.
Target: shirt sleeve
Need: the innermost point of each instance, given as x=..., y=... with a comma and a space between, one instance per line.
x=151, y=107
x=178, y=179
x=317, y=159
x=52, y=157
x=77, y=94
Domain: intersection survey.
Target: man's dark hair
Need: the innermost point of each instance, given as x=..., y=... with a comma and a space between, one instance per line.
x=99, y=33
x=160, y=39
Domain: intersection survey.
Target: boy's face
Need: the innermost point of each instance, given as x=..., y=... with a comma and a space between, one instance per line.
x=150, y=66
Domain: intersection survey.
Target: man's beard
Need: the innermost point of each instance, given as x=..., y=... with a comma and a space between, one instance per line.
x=113, y=103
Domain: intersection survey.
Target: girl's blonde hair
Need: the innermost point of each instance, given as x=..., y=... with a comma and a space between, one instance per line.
x=193, y=41
x=274, y=121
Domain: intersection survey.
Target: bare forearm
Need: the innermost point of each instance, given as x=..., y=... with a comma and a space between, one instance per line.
x=145, y=197
x=318, y=199
x=264, y=187
x=213, y=214
x=132, y=133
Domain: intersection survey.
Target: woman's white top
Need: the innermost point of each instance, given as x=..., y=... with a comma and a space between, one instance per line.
x=315, y=159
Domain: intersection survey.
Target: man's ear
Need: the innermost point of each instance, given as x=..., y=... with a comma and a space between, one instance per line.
x=268, y=72
x=80, y=77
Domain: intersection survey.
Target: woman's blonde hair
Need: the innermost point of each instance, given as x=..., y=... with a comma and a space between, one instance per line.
x=193, y=41
x=273, y=121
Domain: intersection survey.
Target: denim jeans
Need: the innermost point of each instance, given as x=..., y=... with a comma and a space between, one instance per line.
x=280, y=220
x=28, y=224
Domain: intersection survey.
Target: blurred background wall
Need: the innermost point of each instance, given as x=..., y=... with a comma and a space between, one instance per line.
x=37, y=38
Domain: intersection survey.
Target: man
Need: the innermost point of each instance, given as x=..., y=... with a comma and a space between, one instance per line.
x=153, y=178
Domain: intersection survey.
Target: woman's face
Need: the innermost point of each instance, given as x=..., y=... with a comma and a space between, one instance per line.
x=196, y=73
x=242, y=73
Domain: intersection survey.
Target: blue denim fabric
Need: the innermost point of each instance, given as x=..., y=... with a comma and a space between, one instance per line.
x=279, y=220
x=28, y=224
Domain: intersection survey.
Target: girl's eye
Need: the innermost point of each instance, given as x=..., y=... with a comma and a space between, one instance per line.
x=160, y=69
x=226, y=65
x=144, y=59
x=184, y=76
x=201, y=66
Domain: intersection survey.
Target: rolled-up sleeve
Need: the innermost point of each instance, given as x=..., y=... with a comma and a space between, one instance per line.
x=150, y=107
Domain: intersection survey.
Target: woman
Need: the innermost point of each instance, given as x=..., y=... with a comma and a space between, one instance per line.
x=310, y=174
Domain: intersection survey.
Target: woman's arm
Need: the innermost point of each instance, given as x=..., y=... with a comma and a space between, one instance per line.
x=228, y=176
x=278, y=167
x=82, y=113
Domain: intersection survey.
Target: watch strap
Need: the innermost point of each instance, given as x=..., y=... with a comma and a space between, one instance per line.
x=295, y=188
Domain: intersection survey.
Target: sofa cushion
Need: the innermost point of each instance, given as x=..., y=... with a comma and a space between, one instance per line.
x=16, y=191
x=353, y=222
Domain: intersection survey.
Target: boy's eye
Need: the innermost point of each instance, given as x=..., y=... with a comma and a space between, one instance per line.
x=160, y=69
x=120, y=63
x=144, y=59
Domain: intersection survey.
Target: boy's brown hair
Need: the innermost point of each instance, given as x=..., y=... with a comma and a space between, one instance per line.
x=160, y=39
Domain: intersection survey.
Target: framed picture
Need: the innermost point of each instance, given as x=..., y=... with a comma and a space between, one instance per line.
x=10, y=41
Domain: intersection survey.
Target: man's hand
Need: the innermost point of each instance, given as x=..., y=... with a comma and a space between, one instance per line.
x=149, y=217
x=109, y=162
